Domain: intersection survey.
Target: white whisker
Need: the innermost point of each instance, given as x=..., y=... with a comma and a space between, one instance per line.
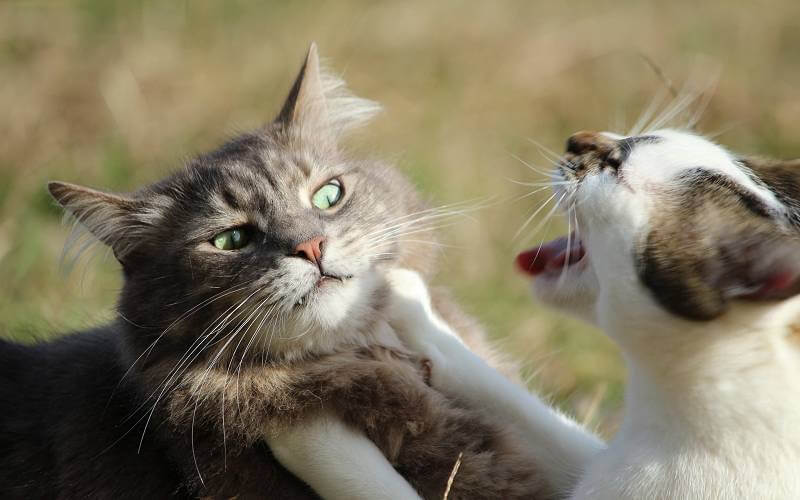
x=533, y=216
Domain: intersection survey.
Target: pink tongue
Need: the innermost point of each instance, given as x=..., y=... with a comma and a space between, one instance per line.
x=550, y=256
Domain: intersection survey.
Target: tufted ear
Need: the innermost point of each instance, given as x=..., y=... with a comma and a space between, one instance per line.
x=116, y=220
x=306, y=101
x=320, y=107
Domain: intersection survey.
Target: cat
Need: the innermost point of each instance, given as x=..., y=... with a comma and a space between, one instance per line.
x=252, y=334
x=687, y=257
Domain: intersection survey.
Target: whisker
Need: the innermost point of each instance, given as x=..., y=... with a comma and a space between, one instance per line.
x=530, y=166
x=186, y=365
x=532, y=193
x=544, y=149
x=533, y=215
x=648, y=113
x=547, y=219
x=707, y=94
x=539, y=184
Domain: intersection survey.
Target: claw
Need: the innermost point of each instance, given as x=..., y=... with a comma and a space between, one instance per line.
x=427, y=370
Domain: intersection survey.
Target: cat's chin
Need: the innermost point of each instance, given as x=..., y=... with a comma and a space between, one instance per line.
x=337, y=303
x=325, y=286
x=332, y=313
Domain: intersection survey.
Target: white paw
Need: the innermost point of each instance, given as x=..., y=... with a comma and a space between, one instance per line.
x=411, y=314
x=408, y=287
x=409, y=300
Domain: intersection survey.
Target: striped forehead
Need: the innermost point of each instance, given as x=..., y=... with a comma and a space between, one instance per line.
x=274, y=181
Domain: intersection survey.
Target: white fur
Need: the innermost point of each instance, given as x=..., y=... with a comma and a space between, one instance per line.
x=711, y=411
x=711, y=407
x=561, y=447
x=339, y=463
x=656, y=164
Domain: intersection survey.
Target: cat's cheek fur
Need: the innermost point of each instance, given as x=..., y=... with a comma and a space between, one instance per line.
x=575, y=295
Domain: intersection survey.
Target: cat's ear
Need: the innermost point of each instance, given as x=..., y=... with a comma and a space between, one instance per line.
x=115, y=220
x=765, y=267
x=306, y=101
x=782, y=176
x=320, y=107
x=698, y=278
x=771, y=260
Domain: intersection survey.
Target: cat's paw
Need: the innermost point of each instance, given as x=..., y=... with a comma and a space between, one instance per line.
x=412, y=316
x=409, y=297
x=409, y=305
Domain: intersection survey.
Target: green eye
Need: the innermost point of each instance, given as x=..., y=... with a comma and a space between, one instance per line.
x=328, y=195
x=232, y=239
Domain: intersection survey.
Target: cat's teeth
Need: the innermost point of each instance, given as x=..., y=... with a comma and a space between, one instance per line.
x=300, y=301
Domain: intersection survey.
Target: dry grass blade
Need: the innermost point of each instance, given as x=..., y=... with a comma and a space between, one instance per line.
x=452, y=477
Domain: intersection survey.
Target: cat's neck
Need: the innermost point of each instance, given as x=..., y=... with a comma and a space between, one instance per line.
x=740, y=372
x=710, y=411
x=749, y=386
x=716, y=406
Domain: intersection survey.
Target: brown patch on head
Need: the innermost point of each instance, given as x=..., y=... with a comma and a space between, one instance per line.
x=583, y=142
x=590, y=151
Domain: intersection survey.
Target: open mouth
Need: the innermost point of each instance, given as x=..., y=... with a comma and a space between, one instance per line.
x=553, y=257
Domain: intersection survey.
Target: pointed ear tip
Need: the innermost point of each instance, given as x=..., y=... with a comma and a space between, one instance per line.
x=58, y=190
x=313, y=54
x=56, y=187
x=63, y=190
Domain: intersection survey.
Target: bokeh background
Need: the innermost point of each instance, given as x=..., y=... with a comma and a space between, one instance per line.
x=116, y=94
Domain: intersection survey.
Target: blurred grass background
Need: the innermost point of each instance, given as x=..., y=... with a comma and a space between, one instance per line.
x=116, y=94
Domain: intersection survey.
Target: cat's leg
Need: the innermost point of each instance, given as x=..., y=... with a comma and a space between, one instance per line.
x=338, y=462
x=562, y=448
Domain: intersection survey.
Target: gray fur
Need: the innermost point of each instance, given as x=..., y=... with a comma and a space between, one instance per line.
x=220, y=348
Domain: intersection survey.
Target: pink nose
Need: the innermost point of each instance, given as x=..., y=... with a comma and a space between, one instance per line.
x=311, y=249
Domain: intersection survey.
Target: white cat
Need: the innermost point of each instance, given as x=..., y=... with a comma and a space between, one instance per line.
x=688, y=259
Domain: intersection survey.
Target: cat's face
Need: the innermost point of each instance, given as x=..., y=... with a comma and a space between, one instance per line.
x=668, y=226
x=276, y=242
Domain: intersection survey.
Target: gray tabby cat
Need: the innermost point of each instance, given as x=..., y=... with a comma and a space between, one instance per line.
x=254, y=324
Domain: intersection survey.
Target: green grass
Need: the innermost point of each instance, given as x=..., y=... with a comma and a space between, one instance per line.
x=116, y=94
